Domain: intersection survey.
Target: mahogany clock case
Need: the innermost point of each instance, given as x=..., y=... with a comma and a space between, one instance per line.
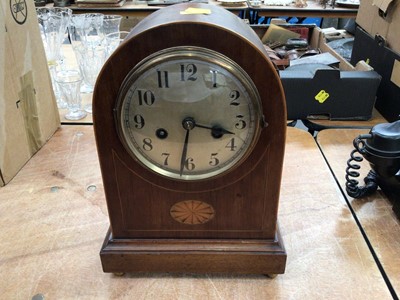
x=245, y=200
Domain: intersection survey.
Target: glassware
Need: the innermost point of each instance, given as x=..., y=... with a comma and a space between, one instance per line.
x=76, y=28
x=90, y=61
x=93, y=29
x=113, y=40
x=69, y=82
x=53, y=23
x=111, y=23
x=87, y=36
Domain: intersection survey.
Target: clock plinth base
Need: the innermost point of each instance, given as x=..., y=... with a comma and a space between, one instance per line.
x=266, y=256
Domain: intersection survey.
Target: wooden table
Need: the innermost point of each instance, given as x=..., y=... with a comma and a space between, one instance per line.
x=374, y=213
x=54, y=218
x=313, y=9
x=141, y=9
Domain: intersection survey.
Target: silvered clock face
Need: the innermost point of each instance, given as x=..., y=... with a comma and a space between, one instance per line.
x=188, y=113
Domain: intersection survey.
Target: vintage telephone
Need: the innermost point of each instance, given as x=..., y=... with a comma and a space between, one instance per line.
x=381, y=148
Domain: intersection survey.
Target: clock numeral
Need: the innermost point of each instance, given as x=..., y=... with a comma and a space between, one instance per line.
x=189, y=165
x=162, y=80
x=147, y=146
x=214, y=161
x=241, y=124
x=166, y=155
x=146, y=97
x=234, y=96
x=231, y=145
x=214, y=78
x=191, y=69
x=139, y=121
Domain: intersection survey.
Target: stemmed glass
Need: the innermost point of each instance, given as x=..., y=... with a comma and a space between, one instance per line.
x=111, y=23
x=93, y=29
x=114, y=39
x=86, y=33
x=53, y=23
x=87, y=36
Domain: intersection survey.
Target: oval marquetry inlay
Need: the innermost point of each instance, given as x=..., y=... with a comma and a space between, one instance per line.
x=192, y=212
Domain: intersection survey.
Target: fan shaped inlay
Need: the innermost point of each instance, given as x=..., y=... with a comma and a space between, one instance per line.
x=192, y=212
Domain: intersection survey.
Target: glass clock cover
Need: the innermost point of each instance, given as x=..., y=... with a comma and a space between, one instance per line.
x=188, y=113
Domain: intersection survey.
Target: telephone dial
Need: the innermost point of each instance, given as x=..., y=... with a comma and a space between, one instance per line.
x=381, y=148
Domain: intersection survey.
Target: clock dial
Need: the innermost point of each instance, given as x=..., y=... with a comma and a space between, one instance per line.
x=188, y=113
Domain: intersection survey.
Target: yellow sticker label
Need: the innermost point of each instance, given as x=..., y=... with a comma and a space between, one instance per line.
x=322, y=96
x=195, y=11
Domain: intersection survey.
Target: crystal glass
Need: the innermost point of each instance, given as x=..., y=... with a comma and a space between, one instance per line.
x=111, y=23
x=87, y=36
x=61, y=103
x=76, y=28
x=113, y=40
x=86, y=30
x=69, y=82
x=90, y=61
x=93, y=29
x=53, y=23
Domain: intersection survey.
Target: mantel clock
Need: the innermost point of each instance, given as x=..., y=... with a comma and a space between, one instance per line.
x=190, y=122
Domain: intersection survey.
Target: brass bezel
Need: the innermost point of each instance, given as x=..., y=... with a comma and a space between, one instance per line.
x=191, y=52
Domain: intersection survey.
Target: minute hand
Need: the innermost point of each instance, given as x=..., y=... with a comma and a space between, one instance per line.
x=184, y=152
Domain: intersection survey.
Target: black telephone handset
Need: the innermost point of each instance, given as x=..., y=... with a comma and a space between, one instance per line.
x=381, y=148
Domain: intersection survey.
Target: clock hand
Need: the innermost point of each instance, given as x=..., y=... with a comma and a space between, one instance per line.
x=216, y=131
x=188, y=124
x=184, y=151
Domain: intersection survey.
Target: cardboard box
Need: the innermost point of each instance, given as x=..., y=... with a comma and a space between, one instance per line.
x=335, y=94
x=381, y=17
x=28, y=110
x=387, y=63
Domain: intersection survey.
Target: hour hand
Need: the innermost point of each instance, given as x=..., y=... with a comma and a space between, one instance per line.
x=216, y=131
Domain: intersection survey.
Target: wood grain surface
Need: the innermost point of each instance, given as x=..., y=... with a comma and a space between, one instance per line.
x=245, y=198
x=54, y=218
x=374, y=212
